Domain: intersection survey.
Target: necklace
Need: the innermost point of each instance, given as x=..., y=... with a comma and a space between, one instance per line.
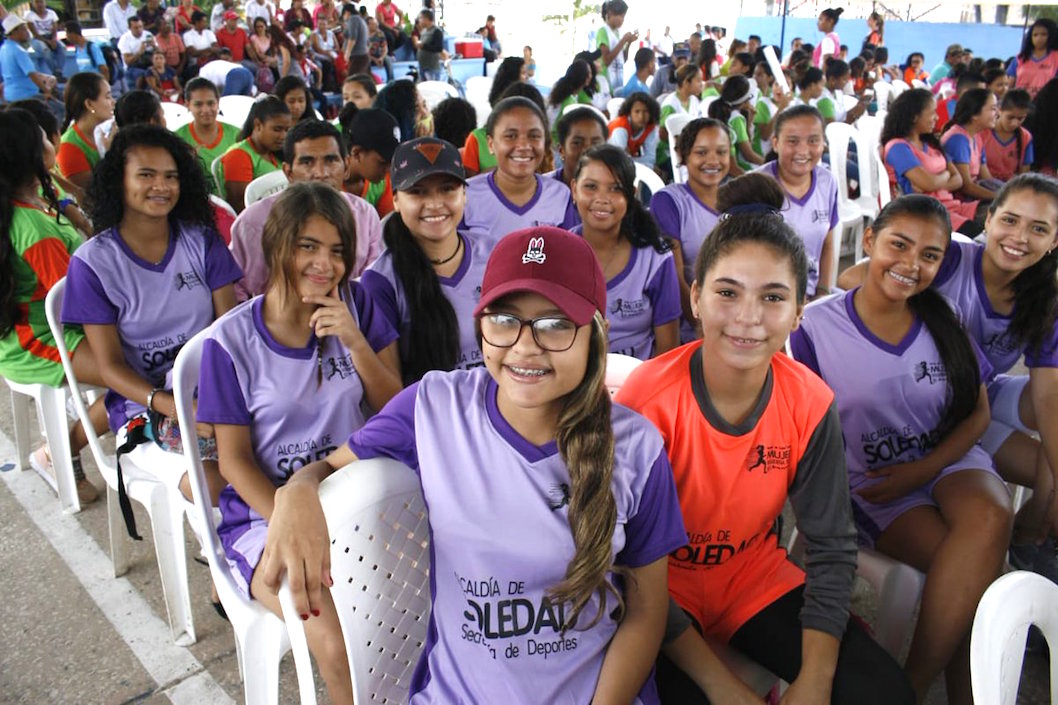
x=449, y=258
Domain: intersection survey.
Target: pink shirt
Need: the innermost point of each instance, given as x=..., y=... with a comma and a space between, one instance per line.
x=1033, y=74
x=246, y=242
x=388, y=12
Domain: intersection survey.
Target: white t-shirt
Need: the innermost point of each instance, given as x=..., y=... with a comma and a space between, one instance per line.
x=45, y=25
x=193, y=39
x=116, y=18
x=267, y=11
x=217, y=71
x=129, y=44
x=216, y=17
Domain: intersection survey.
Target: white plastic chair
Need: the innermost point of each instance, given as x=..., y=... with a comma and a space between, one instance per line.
x=380, y=563
x=1000, y=629
x=613, y=106
x=882, y=94
x=260, y=636
x=898, y=87
x=220, y=202
x=152, y=478
x=433, y=92
x=214, y=170
x=618, y=367
x=703, y=105
x=866, y=136
x=849, y=213
x=265, y=185
x=476, y=85
x=674, y=126
x=51, y=412
x=176, y=115
x=918, y=83
x=646, y=176
x=235, y=108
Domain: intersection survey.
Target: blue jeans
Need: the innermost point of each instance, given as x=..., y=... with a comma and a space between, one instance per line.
x=438, y=75
x=239, y=81
x=49, y=61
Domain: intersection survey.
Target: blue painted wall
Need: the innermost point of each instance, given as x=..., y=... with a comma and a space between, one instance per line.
x=901, y=38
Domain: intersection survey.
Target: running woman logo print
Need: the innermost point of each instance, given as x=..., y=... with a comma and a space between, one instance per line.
x=535, y=252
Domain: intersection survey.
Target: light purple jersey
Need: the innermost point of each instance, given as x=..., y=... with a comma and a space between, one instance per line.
x=681, y=215
x=155, y=307
x=462, y=289
x=300, y=404
x=959, y=280
x=812, y=216
x=500, y=539
x=889, y=415
x=488, y=214
x=645, y=294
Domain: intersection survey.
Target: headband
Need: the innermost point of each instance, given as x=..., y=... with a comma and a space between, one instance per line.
x=750, y=209
x=741, y=99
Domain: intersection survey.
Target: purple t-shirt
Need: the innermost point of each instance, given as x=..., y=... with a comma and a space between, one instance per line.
x=643, y=295
x=889, y=415
x=489, y=215
x=960, y=280
x=500, y=538
x=155, y=307
x=812, y=216
x=300, y=403
x=462, y=289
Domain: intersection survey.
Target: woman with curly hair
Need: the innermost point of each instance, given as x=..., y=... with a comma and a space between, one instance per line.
x=155, y=274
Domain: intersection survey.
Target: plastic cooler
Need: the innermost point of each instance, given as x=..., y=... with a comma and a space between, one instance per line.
x=470, y=48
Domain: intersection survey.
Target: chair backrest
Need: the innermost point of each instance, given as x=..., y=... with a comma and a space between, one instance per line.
x=882, y=93
x=176, y=115
x=221, y=203
x=997, y=641
x=215, y=171
x=703, y=106
x=898, y=88
x=380, y=562
x=838, y=136
x=477, y=84
x=613, y=106
x=918, y=83
x=53, y=311
x=433, y=92
x=235, y=108
x=674, y=125
x=618, y=367
x=265, y=185
x=645, y=177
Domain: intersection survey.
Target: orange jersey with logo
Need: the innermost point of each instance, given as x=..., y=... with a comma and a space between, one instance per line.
x=732, y=481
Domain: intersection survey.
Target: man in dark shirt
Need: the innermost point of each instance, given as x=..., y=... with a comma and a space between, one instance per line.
x=431, y=48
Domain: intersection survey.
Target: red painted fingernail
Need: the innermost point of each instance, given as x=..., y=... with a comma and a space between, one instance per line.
x=315, y=613
x=304, y=618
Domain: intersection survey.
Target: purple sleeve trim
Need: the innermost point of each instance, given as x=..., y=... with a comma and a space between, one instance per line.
x=85, y=300
x=391, y=432
x=804, y=350
x=657, y=528
x=220, y=399
x=663, y=208
x=834, y=209
x=376, y=329
x=571, y=217
x=221, y=268
x=664, y=293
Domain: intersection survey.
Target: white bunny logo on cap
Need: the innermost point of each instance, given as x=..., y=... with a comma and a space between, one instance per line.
x=535, y=252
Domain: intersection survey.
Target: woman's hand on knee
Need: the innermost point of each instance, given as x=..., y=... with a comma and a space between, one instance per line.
x=298, y=546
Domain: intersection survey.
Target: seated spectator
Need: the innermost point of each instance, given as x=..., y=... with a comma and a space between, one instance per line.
x=216, y=15
x=401, y=99
x=20, y=76
x=390, y=21
x=135, y=46
x=87, y=55
x=325, y=8
x=355, y=48
x=255, y=154
x=234, y=38
x=293, y=91
x=963, y=81
x=208, y=136
x=646, y=64
x=1008, y=146
x=43, y=25
x=162, y=80
x=325, y=51
x=312, y=151
x=431, y=51
x=264, y=9
x=201, y=43
x=116, y=14
x=997, y=81
x=229, y=77
x=913, y=68
x=296, y=13
x=360, y=90
x=578, y=130
x=378, y=48
x=263, y=55
x=184, y=20
x=963, y=143
x=88, y=104
x=169, y=43
x=636, y=128
x=371, y=142
x=152, y=12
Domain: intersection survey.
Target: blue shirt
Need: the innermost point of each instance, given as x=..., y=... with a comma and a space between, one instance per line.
x=15, y=66
x=634, y=85
x=88, y=57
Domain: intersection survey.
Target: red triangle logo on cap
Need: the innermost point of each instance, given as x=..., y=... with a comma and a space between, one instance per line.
x=429, y=150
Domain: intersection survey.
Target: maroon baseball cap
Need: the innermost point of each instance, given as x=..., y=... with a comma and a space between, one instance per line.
x=552, y=262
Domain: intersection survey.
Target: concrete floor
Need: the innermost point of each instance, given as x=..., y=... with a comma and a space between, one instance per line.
x=72, y=633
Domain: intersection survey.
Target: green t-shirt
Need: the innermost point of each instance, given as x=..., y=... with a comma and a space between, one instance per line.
x=227, y=135
x=765, y=112
x=826, y=108
x=739, y=129
x=42, y=249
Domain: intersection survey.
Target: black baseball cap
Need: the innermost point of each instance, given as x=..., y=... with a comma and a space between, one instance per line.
x=376, y=130
x=681, y=49
x=425, y=156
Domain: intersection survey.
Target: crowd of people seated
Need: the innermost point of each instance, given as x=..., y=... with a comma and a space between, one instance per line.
x=419, y=288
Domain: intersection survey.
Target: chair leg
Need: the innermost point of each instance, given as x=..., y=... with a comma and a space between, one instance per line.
x=57, y=431
x=167, y=523
x=899, y=588
x=261, y=649
x=119, y=540
x=20, y=409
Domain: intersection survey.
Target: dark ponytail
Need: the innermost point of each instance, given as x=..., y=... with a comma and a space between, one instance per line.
x=1036, y=288
x=956, y=351
x=433, y=330
x=264, y=107
x=638, y=226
